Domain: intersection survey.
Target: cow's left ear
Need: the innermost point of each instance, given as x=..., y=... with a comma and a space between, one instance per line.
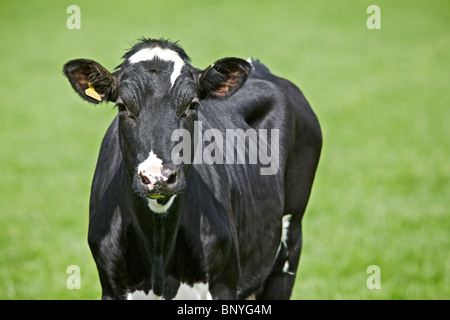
x=91, y=80
x=223, y=78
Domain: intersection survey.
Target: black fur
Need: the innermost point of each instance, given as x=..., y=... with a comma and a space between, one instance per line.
x=224, y=226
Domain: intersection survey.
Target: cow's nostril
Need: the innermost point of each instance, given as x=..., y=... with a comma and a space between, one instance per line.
x=172, y=178
x=144, y=179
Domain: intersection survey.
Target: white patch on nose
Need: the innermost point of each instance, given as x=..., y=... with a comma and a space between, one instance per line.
x=163, y=54
x=151, y=168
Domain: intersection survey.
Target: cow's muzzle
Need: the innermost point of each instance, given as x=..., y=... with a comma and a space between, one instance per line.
x=161, y=184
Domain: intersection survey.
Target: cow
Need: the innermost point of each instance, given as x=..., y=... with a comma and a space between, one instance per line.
x=170, y=229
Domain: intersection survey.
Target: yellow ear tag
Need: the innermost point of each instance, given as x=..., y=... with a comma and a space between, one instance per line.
x=92, y=93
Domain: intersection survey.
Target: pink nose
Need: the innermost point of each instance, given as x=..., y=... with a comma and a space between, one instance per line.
x=153, y=173
x=145, y=179
x=167, y=176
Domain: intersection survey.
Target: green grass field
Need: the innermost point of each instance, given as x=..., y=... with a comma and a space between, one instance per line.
x=382, y=192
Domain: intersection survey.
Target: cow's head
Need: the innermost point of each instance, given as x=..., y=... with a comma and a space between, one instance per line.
x=156, y=91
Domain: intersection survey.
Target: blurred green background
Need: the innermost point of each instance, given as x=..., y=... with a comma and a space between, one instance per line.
x=382, y=193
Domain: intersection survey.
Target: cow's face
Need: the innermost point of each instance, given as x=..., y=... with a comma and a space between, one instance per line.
x=156, y=91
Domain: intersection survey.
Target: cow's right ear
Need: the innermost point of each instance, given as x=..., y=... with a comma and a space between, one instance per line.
x=91, y=80
x=223, y=78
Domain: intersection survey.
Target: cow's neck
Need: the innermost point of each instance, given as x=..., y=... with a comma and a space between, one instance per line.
x=156, y=234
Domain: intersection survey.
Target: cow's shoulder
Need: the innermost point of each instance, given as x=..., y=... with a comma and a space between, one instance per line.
x=289, y=103
x=108, y=187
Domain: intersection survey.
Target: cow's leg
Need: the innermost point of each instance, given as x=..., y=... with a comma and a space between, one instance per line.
x=222, y=290
x=110, y=289
x=224, y=269
x=298, y=184
x=110, y=271
x=107, y=245
x=280, y=282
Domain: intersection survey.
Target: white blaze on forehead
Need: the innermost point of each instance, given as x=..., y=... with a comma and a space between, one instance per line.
x=163, y=54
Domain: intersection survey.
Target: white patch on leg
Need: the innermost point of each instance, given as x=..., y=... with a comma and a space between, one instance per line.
x=284, y=231
x=163, y=54
x=285, y=226
x=200, y=291
x=286, y=269
x=140, y=295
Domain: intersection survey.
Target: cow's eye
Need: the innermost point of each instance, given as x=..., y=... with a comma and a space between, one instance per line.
x=121, y=107
x=194, y=104
x=192, y=107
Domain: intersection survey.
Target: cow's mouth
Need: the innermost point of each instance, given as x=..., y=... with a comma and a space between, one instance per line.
x=163, y=201
x=161, y=193
x=157, y=196
x=160, y=198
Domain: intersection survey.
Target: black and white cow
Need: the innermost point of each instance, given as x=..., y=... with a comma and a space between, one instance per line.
x=197, y=229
